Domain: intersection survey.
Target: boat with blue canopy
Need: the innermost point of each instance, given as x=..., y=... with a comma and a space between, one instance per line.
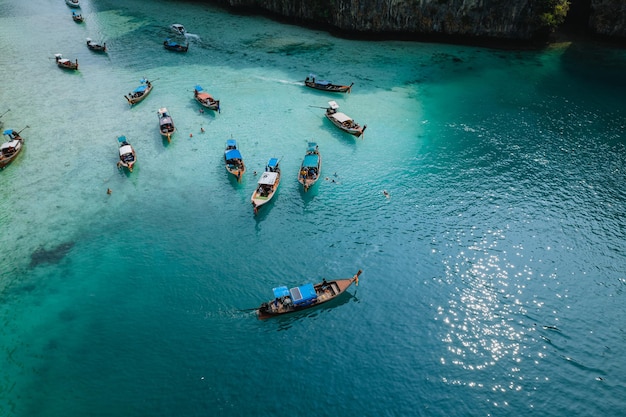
x=139, y=93
x=267, y=185
x=233, y=159
x=289, y=300
x=324, y=85
x=170, y=45
x=78, y=18
x=311, y=166
x=205, y=98
x=11, y=147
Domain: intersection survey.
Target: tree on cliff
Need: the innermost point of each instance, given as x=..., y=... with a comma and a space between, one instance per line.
x=552, y=13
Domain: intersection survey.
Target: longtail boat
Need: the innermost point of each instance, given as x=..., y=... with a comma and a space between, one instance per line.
x=342, y=121
x=96, y=46
x=73, y=3
x=304, y=296
x=11, y=147
x=139, y=93
x=127, y=154
x=311, y=166
x=233, y=159
x=166, y=124
x=267, y=185
x=65, y=63
x=312, y=82
x=205, y=98
x=176, y=47
x=78, y=18
x=178, y=28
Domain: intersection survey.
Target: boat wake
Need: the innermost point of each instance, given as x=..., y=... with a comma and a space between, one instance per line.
x=192, y=36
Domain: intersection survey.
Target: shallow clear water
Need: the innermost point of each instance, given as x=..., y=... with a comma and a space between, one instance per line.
x=493, y=275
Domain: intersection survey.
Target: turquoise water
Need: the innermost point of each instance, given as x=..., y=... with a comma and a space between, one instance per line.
x=493, y=276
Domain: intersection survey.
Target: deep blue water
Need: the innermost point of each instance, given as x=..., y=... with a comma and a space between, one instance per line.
x=494, y=274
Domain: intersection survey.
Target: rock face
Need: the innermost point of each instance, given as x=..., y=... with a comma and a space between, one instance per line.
x=608, y=18
x=510, y=19
x=516, y=20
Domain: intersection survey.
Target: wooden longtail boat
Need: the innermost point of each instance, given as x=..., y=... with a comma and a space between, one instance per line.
x=305, y=296
x=139, y=93
x=65, y=63
x=233, y=159
x=78, y=18
x=95, y=46
x=166, y=124
x=127, y=154
x=324, y=85
x=178, y=28
x=176, y=47
x=205, y=98
x=311, y=167
x=11, y=148
x=342, y=121
x=267, y=185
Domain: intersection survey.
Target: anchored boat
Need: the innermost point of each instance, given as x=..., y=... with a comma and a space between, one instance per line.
x=267, y=185
x=312, y=82
x=305, y=296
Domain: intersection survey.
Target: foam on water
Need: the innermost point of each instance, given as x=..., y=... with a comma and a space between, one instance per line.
x=490, y=270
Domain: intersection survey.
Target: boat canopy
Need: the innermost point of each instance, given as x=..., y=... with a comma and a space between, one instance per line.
x=198, y=88
x=121, y=139
x=162, y=110
x=11, y=144
x=312, y=147
x=268, y=178
x=7, y=132
x=140, y=89
x=333, y=105
x=280, y=292
x=272, y=163
x=233, y=154
x=231, y=143
x=310, y=161
x=303, y=294
x=340, y=117
x=125, y=149
x=322, y=82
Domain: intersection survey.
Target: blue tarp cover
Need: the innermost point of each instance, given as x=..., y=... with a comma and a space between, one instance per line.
x=8, y=132
x=281, y=292
x=322, y=82
x=121, y=139
x=273, y=162
x=310, y=161
x=303, y=294
x=312, y=146
x=231, y=142
x=140, y=89
x=198, y=88
x=233, y=154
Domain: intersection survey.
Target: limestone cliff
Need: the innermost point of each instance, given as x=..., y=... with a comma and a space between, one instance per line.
x=504, y=19
x=608, y=18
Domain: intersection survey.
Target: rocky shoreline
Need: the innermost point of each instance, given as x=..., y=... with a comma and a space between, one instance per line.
x=502, y=24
